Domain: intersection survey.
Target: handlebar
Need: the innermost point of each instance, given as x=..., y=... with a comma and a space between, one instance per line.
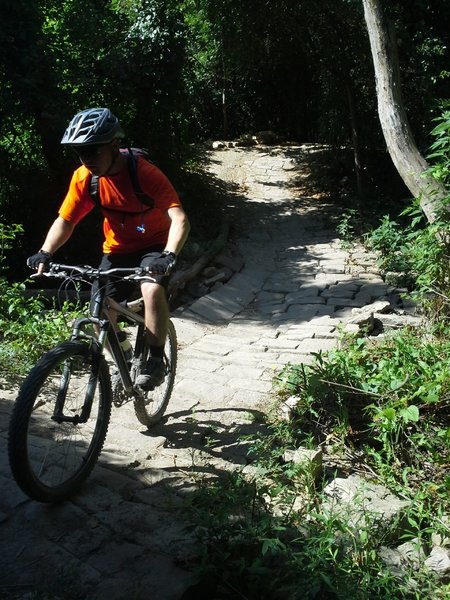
x=61, y=271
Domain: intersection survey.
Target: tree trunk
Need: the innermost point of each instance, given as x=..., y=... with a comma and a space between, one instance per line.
x=397, y=133
x=224, y=98
x=355, y=140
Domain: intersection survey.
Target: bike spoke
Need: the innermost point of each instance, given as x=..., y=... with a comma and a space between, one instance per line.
x=50, y=456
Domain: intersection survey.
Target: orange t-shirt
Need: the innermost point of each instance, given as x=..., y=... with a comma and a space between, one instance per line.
x=126, y=212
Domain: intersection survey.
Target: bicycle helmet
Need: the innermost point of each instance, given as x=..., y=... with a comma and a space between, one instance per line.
x=92, y=126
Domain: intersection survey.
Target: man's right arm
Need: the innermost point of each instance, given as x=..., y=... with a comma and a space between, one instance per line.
x=57, y=236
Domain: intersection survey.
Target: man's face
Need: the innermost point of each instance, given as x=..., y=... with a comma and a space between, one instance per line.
x=97, y=158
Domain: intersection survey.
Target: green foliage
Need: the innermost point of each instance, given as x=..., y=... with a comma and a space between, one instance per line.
x=179, y=71
x=440, y=148
x=386, y=238
x=27, y=328
x=414, y=248
x=63, y=57
x=391, y=244
x=248, y=551
x=383, y=402
x=268, y=537
x=348, y=227
x=8, y=233
x=417, y=251
x=387, y=397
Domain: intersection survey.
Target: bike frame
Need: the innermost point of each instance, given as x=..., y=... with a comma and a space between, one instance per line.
x=103, y=313
x=61, y=416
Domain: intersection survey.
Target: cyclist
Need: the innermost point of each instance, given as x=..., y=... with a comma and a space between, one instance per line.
x=134, y=233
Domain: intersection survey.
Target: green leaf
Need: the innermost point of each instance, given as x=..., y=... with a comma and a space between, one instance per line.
x=396, y=384
x=390, y=413
x=410, y=414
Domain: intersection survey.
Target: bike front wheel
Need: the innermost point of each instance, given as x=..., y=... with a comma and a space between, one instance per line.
x=51, y=451
x=150, y=409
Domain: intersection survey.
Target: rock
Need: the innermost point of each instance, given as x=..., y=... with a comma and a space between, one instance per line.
x=287, y=407
x=351, y=328
x=397, y=279
x=221, y=277
x=244, y=142
x=209, y=272
x=377, y=317
x=196, y=289
x=267, y=138
x=395, y=321
x=364, y=317
x=412, y=552
x=218, y=145
x=362, y=503
x=442, y=539
x=234, y=262
x=311, y=459
x=411, y=556
x=380, y=307
x=404, y=559
x=217, y=286
x=439, y=562
x=393, y=561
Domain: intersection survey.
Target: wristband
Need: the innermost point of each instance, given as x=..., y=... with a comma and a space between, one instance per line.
x=171, y=255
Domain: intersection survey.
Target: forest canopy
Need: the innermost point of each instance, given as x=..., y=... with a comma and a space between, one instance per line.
x=179, y=72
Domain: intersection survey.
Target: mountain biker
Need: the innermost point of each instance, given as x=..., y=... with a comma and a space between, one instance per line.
x=134, y=234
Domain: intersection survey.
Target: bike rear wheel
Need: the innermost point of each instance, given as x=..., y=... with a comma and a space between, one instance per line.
x=50, y=459
x=150, y=409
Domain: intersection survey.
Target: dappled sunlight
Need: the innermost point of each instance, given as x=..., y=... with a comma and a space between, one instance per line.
x=284, y=305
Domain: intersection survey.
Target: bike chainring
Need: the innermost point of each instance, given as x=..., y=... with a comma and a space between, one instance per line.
x=119, y=397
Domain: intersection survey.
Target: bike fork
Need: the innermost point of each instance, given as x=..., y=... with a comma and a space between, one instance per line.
x=58, y=413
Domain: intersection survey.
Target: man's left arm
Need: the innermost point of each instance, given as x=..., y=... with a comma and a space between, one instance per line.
x=178, y=231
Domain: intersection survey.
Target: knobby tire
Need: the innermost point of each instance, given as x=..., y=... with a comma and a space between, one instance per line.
x=51, y=460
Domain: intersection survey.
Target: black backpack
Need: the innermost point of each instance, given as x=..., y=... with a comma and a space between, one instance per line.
x=132, y=155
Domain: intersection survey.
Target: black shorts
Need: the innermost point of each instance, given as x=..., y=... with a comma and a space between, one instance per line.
x=128, y=290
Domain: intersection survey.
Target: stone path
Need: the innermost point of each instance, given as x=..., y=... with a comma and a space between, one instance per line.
x=123, y=536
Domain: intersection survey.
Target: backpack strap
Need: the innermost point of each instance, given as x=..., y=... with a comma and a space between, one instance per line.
x=131, y=157
x=93, y=189
x=132, y=170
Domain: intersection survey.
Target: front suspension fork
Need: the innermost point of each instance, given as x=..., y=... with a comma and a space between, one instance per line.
x=95, y=348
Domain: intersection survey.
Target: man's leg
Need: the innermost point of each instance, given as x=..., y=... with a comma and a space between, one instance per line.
x=156, y=321
x=156, y=313
x=116, y=291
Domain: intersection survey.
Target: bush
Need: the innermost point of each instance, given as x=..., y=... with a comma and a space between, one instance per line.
x=27, y=328
x=388, y=399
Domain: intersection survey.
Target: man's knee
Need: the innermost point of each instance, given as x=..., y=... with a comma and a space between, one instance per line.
x=153, y=293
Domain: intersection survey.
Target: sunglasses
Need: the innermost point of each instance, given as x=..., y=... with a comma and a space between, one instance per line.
x=89, y=152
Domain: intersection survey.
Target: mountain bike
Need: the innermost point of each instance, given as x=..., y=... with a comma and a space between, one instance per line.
x=60, y=418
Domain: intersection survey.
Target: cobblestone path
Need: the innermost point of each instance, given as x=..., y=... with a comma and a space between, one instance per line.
x=124, y=536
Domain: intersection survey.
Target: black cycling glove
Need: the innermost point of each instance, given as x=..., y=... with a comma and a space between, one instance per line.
x=164, y=263
x=41, y=257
